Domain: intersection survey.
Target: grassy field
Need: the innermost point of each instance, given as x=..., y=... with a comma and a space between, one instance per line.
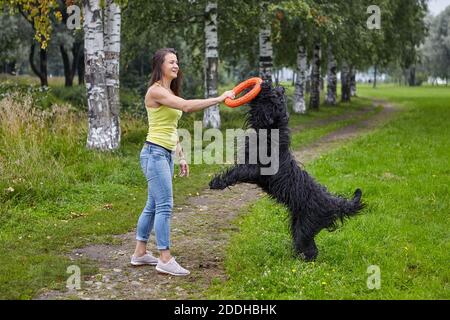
x=403, y=170
x=56, y=196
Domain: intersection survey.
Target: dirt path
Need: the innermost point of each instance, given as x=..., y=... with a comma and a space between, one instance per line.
x=337, y=137
x=200, y=232
x=340, y=117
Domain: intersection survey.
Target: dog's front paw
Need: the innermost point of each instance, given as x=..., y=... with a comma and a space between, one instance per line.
x=217, y=183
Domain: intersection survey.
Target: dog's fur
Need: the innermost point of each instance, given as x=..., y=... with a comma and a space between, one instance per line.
x=311, y=207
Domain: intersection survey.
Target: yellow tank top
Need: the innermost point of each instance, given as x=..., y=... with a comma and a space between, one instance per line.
x=162, y=126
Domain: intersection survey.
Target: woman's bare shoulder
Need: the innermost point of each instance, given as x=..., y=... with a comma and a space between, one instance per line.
x=153, y=92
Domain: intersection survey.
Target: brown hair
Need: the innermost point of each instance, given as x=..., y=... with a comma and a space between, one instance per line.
x=157, y=61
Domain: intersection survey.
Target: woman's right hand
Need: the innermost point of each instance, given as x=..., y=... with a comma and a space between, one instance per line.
x=227, y=94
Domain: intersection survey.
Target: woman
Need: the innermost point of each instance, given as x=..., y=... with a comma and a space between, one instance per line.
x=164, y=109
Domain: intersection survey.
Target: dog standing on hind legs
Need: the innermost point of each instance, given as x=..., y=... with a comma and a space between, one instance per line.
x=312, y=208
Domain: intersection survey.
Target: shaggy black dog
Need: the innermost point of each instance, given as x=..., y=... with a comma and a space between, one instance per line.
x=311, y=207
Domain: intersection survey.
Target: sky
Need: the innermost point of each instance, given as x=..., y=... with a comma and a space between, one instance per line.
x=436, y=6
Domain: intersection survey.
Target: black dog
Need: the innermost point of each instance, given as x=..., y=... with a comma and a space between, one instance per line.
x=312, y=208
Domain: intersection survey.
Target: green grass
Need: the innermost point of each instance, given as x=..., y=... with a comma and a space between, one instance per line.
x=305, y=137
x=65, y=196
x=56, y=196
x=403, y=171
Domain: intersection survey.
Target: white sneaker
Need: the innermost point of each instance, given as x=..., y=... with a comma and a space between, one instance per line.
x=143, y=260
x=171, y=267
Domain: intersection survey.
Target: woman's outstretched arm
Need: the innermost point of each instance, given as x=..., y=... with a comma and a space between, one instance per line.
x=164, y=97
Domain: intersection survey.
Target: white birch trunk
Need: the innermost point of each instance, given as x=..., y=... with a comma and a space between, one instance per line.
x=265, y=45
x=315, y=77
x=353, y=82
x=112, y=61
x=101, y=77
x=299, y=94
x=308, y=77
x=331, y=97
x=375, y=76
x=345, y=82
x=211, y=115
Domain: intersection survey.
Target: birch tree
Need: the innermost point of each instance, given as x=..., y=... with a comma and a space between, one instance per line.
x=299, y=105
x=345, y=82
x=102, y=51
x=353, y=82
x=375, y=71
x=265, y=44
x=331, y=97
x=211, y=115
x=436, y=49
x=315, y=77
x=290, y=34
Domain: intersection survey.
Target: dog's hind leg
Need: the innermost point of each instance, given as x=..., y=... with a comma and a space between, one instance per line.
x=304, y=243
x=238, y=173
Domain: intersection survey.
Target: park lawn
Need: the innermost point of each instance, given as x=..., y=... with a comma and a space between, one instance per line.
x=304, y=137
x=56, y=196
x=403, y=170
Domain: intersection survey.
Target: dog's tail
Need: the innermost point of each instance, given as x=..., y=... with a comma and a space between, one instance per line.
x=347, y=208
x=352, y=207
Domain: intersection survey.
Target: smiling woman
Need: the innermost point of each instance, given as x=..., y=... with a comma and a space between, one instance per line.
x=164, y=108
x=168, y=60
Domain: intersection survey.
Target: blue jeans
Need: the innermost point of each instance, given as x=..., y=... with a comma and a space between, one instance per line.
x=157, y=165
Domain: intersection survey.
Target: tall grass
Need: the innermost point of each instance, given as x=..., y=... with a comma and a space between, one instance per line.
x=34, y=144
x=55, y=194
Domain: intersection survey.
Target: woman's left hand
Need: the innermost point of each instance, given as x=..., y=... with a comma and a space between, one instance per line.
x=184, y=169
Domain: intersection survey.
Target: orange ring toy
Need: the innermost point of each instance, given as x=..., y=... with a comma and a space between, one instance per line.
x=252, y=82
